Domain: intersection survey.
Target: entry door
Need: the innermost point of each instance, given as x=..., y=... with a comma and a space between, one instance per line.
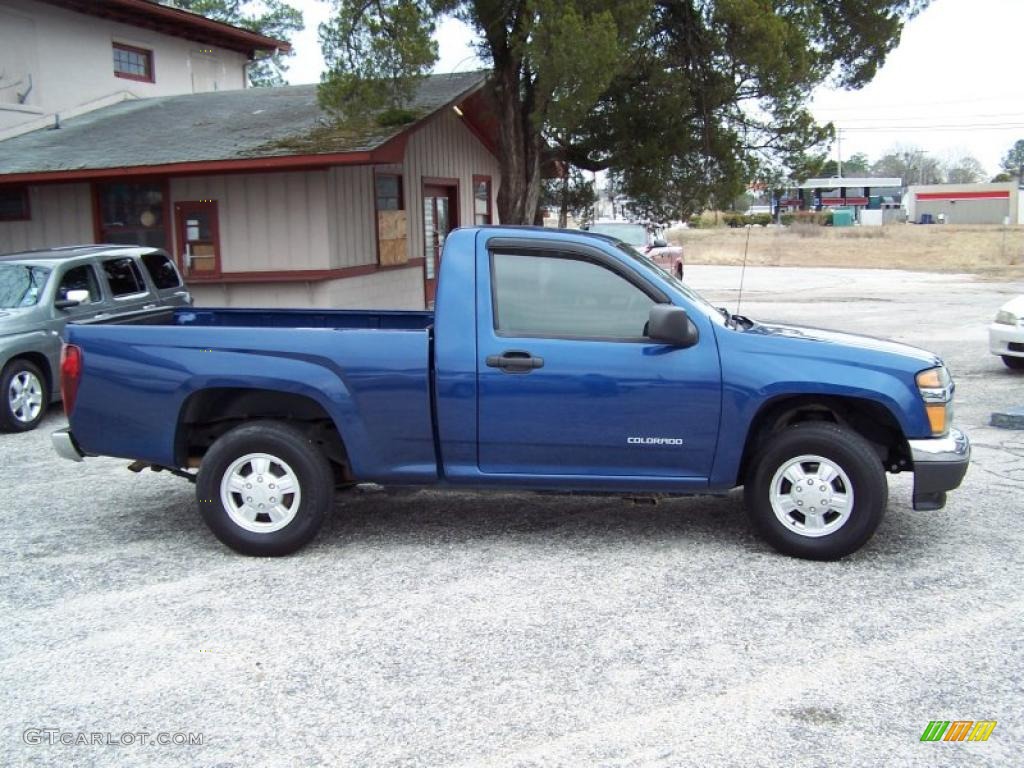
x=198, y=238
x=440, y=216
x=568, y=383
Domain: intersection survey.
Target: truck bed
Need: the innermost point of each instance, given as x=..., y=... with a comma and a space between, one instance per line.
x=369, y=371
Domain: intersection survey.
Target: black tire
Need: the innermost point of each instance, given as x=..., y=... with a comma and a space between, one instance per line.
x=290, y=447
x=1014, y=363
x=845, y=449
x=679, y=271
x=9, y=420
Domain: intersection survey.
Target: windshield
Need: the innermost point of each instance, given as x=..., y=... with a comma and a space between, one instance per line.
x=631, y=234
x=699, y=301
x=21, y=285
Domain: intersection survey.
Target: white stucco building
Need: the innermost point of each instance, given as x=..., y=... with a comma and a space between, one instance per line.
x=69, y=57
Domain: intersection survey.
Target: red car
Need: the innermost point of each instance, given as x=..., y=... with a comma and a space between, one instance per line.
x=644, y=242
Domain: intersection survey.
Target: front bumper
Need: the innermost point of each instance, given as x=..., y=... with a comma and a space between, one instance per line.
x=940, y=464
x=1006, y=340
x=65, y=446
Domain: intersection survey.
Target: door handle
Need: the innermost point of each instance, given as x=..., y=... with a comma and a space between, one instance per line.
x=515, y=361
x=149, y=306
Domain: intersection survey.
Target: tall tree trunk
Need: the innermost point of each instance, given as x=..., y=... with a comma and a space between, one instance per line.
x=520, y=146
x=563, y=206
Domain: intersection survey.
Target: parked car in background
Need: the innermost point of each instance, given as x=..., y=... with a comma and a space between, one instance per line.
x=1006, y=334
x=40, y=291
x=644, y=242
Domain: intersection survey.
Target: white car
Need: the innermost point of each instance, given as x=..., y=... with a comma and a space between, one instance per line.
x=1006, y=334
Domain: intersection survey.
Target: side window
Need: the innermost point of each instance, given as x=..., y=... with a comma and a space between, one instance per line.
x=392, y=224
x=565, y=297
x=124, y=277
x=81, y=278
x=482, y=200
x=161, y=270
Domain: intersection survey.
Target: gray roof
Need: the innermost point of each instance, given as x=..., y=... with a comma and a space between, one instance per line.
x=223, y=125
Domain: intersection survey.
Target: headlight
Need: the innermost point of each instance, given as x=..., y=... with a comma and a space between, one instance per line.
x=1006, y=318
x=936, y=389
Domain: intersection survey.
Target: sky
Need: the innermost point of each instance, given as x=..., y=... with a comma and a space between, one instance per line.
x=952, y=86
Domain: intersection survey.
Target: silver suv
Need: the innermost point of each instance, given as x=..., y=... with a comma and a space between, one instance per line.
x=40, y=291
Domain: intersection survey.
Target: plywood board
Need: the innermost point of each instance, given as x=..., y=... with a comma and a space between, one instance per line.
x=393, y=252
x=391, y=224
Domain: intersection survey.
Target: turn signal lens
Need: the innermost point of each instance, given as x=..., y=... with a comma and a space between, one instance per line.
x=938, y=418
x=936, y=389
x=70, y=373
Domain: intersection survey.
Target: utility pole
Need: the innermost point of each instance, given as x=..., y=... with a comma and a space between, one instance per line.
x=839, y=151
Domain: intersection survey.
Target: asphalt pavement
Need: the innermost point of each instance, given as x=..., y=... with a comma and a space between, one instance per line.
x=463, y=629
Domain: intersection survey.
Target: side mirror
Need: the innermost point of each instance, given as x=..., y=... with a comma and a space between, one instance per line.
x=660, y=242
x=74, y=298
x=669, y=324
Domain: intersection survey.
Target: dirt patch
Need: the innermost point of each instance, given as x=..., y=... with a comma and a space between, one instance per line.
x=992, y=252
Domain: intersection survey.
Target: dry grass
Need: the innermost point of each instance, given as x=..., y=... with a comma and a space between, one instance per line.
x=985, y=250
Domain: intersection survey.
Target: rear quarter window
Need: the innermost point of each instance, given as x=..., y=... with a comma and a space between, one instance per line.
x=161, y=270
x=124, y=277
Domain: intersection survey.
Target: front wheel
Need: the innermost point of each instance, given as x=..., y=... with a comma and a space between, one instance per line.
x=816, y=491
x=1014, y=363
x=264, y=489
x=26, y=396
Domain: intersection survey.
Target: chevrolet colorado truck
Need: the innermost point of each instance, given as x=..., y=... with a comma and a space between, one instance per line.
x=554, y=360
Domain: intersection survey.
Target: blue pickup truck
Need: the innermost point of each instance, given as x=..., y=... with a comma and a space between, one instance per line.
x=554, y=361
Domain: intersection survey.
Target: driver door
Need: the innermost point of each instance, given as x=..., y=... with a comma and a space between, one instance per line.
x=568, y=384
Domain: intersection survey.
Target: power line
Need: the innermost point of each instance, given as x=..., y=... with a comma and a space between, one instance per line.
x=1002, y=98
x=1017, y=115
x=913, y=128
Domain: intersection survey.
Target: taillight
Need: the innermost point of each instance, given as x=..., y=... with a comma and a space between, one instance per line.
x=70, y=374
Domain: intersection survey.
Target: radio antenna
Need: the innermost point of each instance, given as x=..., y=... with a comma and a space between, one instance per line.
x=743, y=270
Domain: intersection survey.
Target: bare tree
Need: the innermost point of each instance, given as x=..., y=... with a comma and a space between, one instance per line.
x=965, y=169
x=913, y=165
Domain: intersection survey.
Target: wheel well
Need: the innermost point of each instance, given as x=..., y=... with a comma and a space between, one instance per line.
x=40, y=361
x=872, y=421
x=210, y=413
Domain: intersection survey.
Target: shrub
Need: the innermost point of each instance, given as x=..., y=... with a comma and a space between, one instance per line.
x=817, y=218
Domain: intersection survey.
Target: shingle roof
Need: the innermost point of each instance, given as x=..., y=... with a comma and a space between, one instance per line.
x=223, y=125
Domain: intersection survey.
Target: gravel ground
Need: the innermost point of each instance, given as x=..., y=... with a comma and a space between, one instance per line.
x=426, y=629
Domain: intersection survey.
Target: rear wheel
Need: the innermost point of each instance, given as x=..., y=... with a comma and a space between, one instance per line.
x=25, y=396
x=679, y=271
x=1016, y=363
x=264, y=489
x=816, y=491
